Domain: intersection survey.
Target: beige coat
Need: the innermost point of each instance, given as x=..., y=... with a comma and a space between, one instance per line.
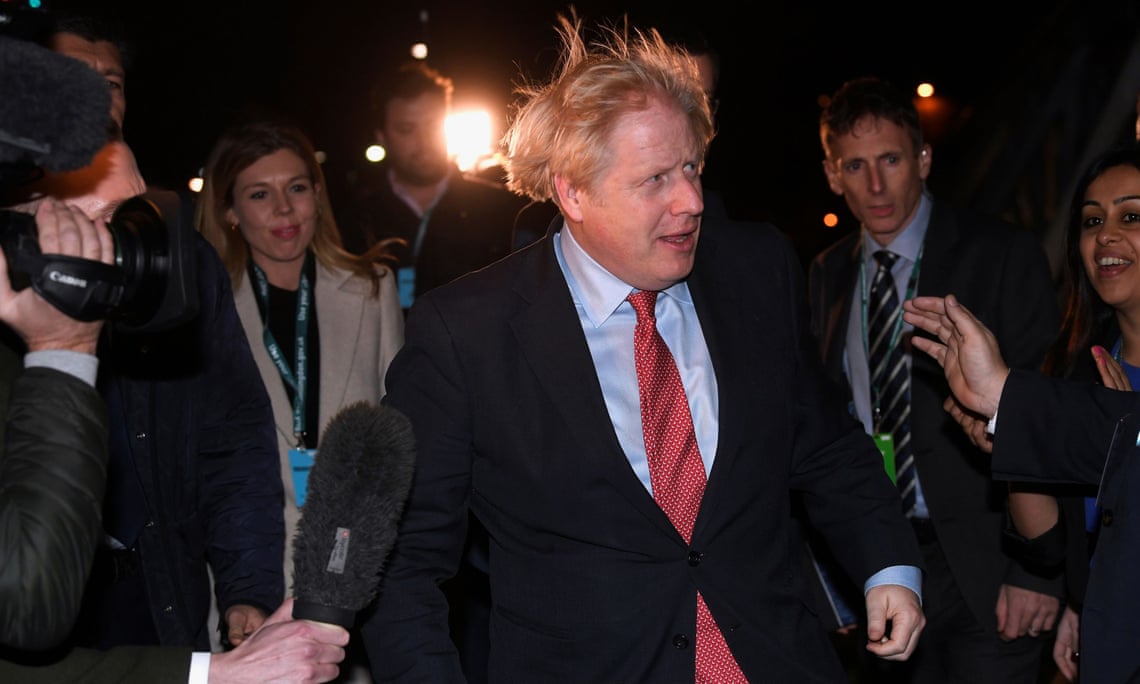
x=359, y=336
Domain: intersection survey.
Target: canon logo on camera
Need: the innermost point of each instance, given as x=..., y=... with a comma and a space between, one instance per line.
x=66, y=279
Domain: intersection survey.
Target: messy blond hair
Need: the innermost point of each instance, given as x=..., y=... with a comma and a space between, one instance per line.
x=563, y=127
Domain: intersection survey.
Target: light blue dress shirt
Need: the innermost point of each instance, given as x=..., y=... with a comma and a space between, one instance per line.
x=608, y=321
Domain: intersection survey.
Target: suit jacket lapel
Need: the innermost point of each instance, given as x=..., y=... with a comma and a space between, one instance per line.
x=841, y=289
x=551, y=340
x=719, y=310
x=936, y=273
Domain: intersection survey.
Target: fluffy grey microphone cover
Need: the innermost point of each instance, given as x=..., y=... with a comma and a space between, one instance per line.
x=357, y=489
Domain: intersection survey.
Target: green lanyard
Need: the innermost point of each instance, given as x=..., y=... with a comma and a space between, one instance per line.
x=896, y=334
x=296, y=377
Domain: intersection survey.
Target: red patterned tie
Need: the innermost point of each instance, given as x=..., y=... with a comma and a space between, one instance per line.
x=675, y=468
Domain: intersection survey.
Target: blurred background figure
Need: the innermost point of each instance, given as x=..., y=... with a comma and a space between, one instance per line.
x=450, y=223
x=323, y=324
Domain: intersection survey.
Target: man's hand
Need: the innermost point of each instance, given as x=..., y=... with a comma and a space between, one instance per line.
x=1065, y=647
x=969, y=352
x=1022, y=612
x=241, y=621
x=283, y=650
x=899, y=605
x=62, y=230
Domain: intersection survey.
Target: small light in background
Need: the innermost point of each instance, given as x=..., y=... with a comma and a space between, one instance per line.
x=924, y=90
x=195, y=184
x=420, y=47
x=830, y=220
x=321, y=156
x=375, y=153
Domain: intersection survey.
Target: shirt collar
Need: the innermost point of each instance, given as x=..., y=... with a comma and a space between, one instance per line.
x=400, y=190
x=598, y=291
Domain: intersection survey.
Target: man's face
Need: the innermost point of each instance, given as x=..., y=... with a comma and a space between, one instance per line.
x=414, y=139
x=880, y=174
x=104, y=58
x=642, y=218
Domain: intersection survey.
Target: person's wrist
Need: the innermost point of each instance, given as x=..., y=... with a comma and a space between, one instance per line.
x=83, y=344
x=993, y=398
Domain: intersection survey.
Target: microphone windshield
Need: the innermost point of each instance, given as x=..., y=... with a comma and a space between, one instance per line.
x=357, y=489
x=55, y=111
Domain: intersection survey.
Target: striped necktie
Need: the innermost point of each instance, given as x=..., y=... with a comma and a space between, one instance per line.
x=890, y=378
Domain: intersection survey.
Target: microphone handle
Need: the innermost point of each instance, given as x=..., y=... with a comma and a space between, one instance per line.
x=307, y=610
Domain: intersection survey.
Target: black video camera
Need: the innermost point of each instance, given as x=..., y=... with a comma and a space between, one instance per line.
x=54, y=115
x=150, y=287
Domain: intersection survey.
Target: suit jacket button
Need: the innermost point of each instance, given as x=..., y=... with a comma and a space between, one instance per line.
x=1106, y=517
x=695, y=558
x=680, y=641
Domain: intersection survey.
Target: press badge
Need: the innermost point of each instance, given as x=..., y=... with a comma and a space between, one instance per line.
x=406, y=285
x=886, y=444
x=301, y=462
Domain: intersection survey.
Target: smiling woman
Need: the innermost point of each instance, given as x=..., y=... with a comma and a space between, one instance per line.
x=1099, y=341
x=323, y=324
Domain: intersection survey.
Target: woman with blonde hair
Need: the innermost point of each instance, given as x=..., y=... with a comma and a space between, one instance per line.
x=323, y=324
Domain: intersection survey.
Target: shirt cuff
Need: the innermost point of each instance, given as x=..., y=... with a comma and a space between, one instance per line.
x=199, y=667
x=83, y=366
x=991, y=426
x=904, y=575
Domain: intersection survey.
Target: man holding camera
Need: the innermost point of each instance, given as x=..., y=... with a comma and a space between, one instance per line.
x=52, y=479
x=193, y=475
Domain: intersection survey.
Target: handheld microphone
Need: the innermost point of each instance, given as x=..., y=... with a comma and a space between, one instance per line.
x=55, y=112
x=357, y=489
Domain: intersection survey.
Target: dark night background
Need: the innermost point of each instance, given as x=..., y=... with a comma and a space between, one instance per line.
x=198, y=65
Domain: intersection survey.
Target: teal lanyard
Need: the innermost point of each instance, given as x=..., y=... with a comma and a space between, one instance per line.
x=296, y=377
x=896, y=334
x=421, y=231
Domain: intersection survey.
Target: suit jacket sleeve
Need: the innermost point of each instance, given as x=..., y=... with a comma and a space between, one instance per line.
x=52, y=479
x=1056, y=431
x=91, y=666
x=241, y=478
x=407, y=635
x=845, y=491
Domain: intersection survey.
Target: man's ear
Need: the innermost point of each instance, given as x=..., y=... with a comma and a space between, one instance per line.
x=568, y=198
x=832, y=177
x=925, y=157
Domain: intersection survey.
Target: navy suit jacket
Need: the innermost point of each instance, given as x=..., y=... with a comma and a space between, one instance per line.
x=589, y=580
x=1077, y=432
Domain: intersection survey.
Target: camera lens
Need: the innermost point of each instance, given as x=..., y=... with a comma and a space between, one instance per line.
x=141, y=250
